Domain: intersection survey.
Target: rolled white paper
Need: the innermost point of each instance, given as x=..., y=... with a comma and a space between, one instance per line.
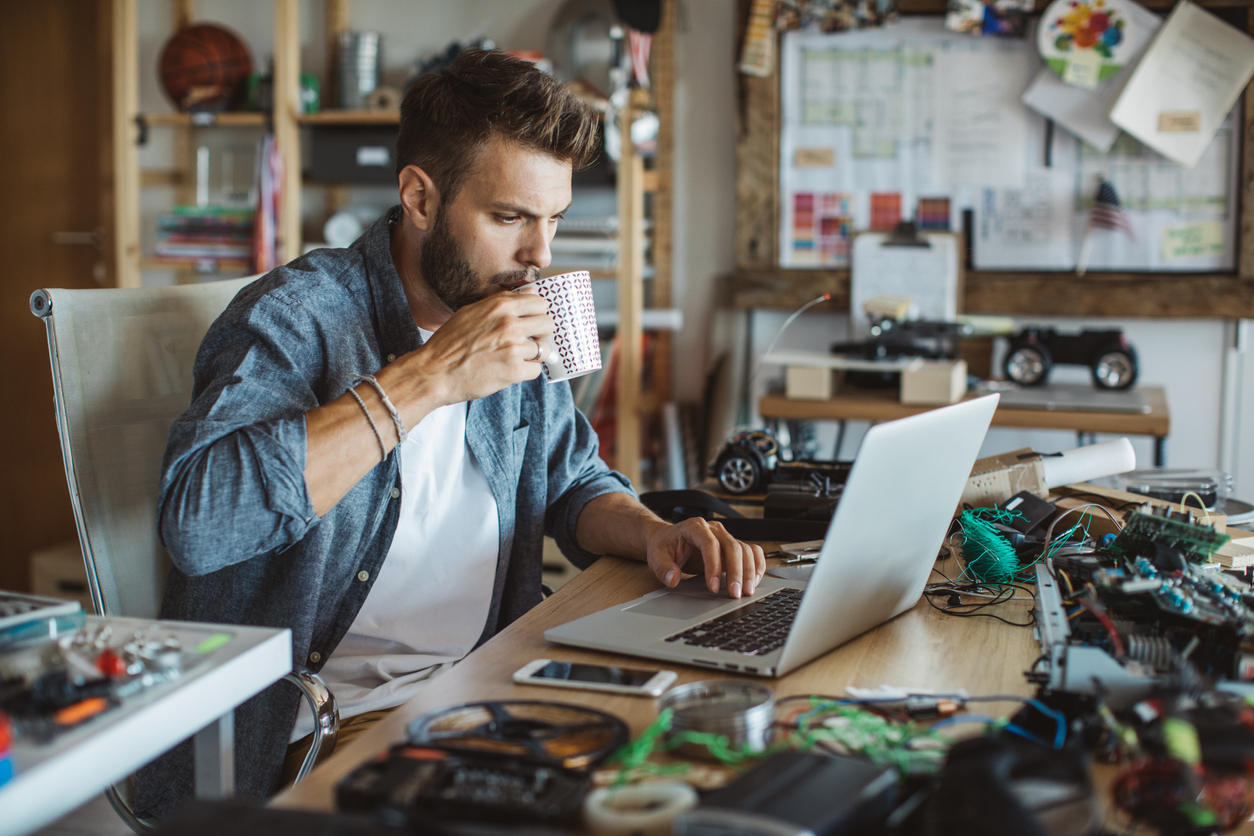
x=1084, y=464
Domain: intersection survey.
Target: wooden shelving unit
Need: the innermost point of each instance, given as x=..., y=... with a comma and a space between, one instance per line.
x=230, y=119
x=287, y=120
x=350, y=117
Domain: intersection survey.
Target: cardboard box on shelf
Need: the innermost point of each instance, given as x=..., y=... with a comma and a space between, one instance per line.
x=808, y=383
x=934, y=383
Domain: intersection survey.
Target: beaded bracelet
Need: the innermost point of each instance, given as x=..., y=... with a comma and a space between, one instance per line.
x=383, y=450
x=401, y=432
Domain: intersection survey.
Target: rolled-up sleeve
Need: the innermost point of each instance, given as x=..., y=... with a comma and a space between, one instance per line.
x=232, y=481
x=576, y=473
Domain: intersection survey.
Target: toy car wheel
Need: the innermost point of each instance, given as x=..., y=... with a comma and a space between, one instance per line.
x=738, y=473
x=1115, y=369
x=1028, y=365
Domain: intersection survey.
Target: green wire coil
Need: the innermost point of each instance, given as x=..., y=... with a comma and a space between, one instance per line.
x=989, y=556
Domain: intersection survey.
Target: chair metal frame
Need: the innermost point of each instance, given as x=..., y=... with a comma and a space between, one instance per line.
x=214, y=745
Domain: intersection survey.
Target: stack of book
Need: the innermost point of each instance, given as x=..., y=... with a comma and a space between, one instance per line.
x=205, y=233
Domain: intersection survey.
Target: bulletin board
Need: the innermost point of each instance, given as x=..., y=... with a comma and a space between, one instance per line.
x=781, y=263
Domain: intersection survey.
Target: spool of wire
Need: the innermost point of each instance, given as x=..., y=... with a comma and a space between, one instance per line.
x=741, y=713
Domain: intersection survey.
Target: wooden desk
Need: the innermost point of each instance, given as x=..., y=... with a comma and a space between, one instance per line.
x=921, y=647
x=883, y=405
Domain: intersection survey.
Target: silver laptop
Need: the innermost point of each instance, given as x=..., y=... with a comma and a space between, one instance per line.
x=883, y=539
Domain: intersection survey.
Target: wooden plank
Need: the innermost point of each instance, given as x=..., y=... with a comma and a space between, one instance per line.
x=789, y=289
x=286, y=130
x=217, y=120
x=161, y=177
x=757, y=167
x=1245, y=229
x=351, y=117
x=184, y=13
x=224, y=265
x=1110, y=294
x=1150, y=295
x=883, y=405
x=627, y=450
x=125, y=154
x=661, y=291
x=760, y=283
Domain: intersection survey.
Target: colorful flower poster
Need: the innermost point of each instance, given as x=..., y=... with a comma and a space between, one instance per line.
x=1086, y=41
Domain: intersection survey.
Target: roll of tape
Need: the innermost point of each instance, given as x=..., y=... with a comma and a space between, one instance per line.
x=640, y=810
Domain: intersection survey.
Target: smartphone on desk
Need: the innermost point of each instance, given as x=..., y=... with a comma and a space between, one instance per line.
x=640, y=682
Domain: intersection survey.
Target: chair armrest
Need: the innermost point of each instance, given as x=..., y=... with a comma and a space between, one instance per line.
x=326, y=715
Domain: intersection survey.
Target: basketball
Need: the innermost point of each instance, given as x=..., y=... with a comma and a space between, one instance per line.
x=204, y=67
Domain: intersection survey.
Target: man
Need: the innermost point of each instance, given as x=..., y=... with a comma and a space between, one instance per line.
x=292, y=497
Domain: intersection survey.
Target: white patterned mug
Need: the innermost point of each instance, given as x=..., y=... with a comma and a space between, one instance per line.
x=575, y=348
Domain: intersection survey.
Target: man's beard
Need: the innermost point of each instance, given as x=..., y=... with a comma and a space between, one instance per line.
x=448, y=273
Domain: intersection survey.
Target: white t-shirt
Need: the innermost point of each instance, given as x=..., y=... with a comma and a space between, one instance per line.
x=429, y=604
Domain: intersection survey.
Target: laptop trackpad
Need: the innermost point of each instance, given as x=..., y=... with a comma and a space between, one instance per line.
x=676, y=605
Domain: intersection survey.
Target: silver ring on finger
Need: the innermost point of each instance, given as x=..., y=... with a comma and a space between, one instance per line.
x=539, y=358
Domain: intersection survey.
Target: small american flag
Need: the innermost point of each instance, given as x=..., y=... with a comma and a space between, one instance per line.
x=1107, y=213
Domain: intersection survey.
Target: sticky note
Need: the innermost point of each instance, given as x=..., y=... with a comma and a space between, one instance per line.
x=1179, y=121
x=1084, y=69
x=814, y=158
x=1204, y=238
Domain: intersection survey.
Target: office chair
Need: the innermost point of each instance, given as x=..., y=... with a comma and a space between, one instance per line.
x=122, y=372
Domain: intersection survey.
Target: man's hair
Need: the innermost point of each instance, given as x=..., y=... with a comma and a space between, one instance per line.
x=448, y=118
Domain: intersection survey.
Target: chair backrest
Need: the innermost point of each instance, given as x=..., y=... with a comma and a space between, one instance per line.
x=122, y=372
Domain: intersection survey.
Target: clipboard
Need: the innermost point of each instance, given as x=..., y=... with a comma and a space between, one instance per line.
x=923, y=266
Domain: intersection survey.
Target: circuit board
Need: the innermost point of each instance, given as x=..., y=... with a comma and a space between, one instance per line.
x=1143, y=608
x=1152, y=525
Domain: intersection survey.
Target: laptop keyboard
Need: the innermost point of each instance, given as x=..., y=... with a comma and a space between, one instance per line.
x=753, y=629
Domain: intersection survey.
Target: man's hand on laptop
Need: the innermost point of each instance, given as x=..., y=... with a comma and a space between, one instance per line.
x=616, y=523
x=674, y=547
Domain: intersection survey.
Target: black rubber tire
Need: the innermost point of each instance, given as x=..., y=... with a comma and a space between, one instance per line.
x=1027, y=364
x=1115, y=368
x=738, y=472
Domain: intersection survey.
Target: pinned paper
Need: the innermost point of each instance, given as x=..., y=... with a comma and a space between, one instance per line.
x=814, y=157
x=1196, y=64
x=1087, y=41
x=1083, y=111
x=1204, y=238
x=822, y=225
x=885, y=210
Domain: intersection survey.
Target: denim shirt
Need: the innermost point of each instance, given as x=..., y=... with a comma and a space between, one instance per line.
x=235, y=514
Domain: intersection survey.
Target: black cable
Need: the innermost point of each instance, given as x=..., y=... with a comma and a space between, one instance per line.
x=1031, y=622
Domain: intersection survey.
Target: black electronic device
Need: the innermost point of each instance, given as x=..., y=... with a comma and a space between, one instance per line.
x=353, y=154
x=752, y=460
x=509, y=761
x=793, y=793
x=1006, y=784
x=1030, y=511
x=801, y=500
x=410, y=785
